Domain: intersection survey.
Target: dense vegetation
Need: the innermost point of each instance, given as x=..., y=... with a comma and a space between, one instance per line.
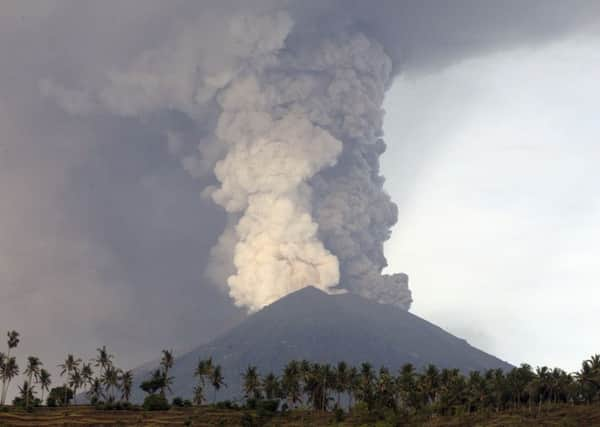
x=375, y=393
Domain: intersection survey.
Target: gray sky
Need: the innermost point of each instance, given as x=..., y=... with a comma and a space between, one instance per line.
x=104, y=237
x=496, y=180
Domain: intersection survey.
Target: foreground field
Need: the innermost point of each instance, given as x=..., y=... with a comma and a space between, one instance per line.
x=565, y=416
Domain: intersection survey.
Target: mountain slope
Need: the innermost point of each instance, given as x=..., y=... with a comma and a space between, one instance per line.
x=312, y=325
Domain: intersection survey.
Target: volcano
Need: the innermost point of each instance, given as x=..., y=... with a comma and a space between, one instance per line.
x=310, y=324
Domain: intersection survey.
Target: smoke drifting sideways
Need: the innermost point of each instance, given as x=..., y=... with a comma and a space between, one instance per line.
x=286, y=100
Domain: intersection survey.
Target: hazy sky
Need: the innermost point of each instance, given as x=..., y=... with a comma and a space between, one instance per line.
x=492, y=153
x=496, y=176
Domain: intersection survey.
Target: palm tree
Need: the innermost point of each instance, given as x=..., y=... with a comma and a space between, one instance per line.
x=407, y=386
x=110, y=379
x=75, y=382
x=3, y=360
x=341, y=380
x=353, y=384
x=203, y=372
x=95, y=392
x=385, y=393
x=33, y=372
x=166, y=362
x=429, y=383
x=522, y=378
x=317, y=381
x=26, y=392
x=589, y=380
x=198, y=394
x=476, y=390
x=8, y=370
x=44, y=381
x=70, y=364
x=252, y=386
x=540, y=385
x=290, y=382
x=126, y=385
x=594, y=366
x=203, y=369
x=87, y=375
x=452, y=392
x=104, y=359
x=12, y=341
x=328, y=378
x=216, y=380
x=314, y=385
x=366, y=384
x=271, y=386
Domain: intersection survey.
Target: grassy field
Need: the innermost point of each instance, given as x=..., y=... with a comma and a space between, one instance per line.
x=565, y=416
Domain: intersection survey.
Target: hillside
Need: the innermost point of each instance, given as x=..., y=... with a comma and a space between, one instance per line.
x=312, y=325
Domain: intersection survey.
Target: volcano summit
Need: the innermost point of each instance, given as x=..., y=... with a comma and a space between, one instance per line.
x=310, y=324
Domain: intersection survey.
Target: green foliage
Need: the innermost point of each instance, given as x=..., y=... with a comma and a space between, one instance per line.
x=19, y=402
x=155, y=402
x=252, y=383
x=116, y=406
x=59, y=396
x=155, y=383
x=178, y=402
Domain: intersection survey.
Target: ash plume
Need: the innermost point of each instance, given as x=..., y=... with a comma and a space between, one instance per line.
x=285, y=100
x=305, y=219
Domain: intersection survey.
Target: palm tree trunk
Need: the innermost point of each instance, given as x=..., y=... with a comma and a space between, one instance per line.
x=27, y=394
x=5, y=382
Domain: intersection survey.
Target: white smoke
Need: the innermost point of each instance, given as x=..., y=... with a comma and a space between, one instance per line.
x=294, y=150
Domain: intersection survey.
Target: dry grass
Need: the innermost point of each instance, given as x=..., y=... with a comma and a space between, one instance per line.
x=565, y=416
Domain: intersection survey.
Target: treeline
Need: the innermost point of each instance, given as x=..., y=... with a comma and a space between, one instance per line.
x=105, y=382
x=322, y=387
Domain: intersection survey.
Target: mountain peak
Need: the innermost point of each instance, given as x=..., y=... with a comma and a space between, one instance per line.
x=306, y=291
x=313, y=325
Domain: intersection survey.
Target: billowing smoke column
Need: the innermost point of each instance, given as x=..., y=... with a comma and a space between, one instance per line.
x=293, y=137
x=302, y=171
